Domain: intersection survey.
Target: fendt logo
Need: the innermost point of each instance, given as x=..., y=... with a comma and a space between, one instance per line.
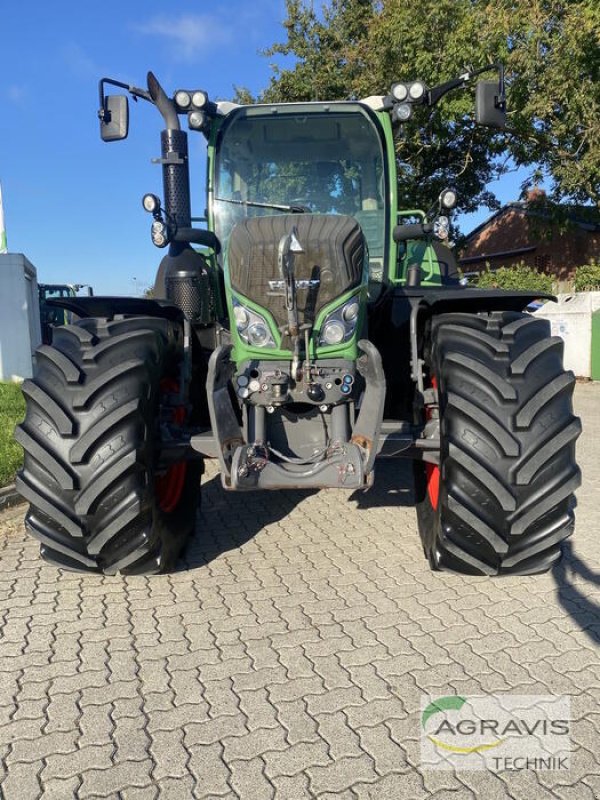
x=495, y=732
x=279, y=286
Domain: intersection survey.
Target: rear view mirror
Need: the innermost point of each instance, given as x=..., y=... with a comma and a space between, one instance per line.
x=490, y=108
x=114, y=118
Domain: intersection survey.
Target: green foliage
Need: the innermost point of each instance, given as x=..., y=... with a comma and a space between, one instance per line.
x=520, y=277
x=587, y=277
x=12, y=411
x=355, y=48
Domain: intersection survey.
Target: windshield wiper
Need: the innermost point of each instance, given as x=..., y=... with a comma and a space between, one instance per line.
x=256, y=204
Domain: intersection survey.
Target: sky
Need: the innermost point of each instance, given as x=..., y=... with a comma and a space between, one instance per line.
x=72, y=203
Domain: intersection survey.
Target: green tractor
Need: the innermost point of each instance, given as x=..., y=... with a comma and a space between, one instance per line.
x=305, y=328
x=51, y=316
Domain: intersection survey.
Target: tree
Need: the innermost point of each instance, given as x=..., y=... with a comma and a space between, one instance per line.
x=354, y=48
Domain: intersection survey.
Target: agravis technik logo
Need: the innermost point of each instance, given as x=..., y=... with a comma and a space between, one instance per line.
x=495, y=732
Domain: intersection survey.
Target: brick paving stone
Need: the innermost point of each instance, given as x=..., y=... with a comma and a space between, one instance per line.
x=258, y=710
x=343, y=742
x=295, y=787
x=73, y=764
x=140, y=792
x=248, y=779
x=95, y=724
x=209, y=771
x=300, y=726
x=168, y=754
x=387, y=755
x=296, y=758
x=293, y=665
x=22, y=781
x=342, y=774
x=28, y=751
x=405, y=786
x=254, y=744
x=59, y=789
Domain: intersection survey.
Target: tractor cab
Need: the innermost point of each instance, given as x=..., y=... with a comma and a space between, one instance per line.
x=313, y=158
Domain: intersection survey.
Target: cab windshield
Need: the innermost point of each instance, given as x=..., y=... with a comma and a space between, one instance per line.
x=326, y=162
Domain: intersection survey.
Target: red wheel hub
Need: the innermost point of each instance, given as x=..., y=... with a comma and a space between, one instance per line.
x=432, y=471
x=169, y=487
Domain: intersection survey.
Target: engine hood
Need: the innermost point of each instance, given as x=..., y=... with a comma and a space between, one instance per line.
x=332, y=261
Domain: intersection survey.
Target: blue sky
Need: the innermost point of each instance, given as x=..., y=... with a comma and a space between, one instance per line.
x=72, y=203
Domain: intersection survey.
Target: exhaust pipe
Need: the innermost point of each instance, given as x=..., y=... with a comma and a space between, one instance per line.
x=174, y=159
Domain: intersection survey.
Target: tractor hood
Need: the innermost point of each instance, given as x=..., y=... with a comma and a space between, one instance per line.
x=332, y=261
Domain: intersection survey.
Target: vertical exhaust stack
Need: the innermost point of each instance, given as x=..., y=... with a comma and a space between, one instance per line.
x=182, y=276
x=176, y=177
x=174, y=159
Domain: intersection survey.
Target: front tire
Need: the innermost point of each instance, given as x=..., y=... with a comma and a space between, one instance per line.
x=501, y=500
x=92, y=439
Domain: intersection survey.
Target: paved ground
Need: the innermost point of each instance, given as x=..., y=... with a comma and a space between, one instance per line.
x=288, y=657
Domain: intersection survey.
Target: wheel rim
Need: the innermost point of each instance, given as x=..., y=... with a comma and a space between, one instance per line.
x=432, y=474
x=432, y=471
x=168, y=488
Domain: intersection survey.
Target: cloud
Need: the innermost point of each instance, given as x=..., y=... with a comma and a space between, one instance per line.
x=190, y=35
x=79, y=62
x=16, y=94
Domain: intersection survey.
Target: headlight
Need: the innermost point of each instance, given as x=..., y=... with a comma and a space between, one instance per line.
x=340, y=324
x=333, y=332
x=258, y=334
x=241, y=317
x=350, y=311
x=252, y=326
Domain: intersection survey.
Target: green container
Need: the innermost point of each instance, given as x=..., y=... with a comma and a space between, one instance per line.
x=595, y=366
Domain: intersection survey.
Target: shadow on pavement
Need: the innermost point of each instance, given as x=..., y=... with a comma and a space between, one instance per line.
x=394, y=486
x=227, y=520
x=570, y=573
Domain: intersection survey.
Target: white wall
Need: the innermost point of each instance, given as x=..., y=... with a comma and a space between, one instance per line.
x=20, y=331
x=571, y=319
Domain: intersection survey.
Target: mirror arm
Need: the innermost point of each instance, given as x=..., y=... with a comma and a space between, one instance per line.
x=501, y=100
x=437, y=92
x=133, y=91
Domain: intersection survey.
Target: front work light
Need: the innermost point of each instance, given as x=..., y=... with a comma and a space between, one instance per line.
x=198, y=120
x=183, y=99
x=401, y=112
x=448, y=198
x=159, y=233
x=399, y=92
x=151, y=203
x=416, y=90
x=199, y=99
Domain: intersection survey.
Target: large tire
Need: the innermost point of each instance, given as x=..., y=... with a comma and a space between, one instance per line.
x=501, y=500
x=92, y=439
